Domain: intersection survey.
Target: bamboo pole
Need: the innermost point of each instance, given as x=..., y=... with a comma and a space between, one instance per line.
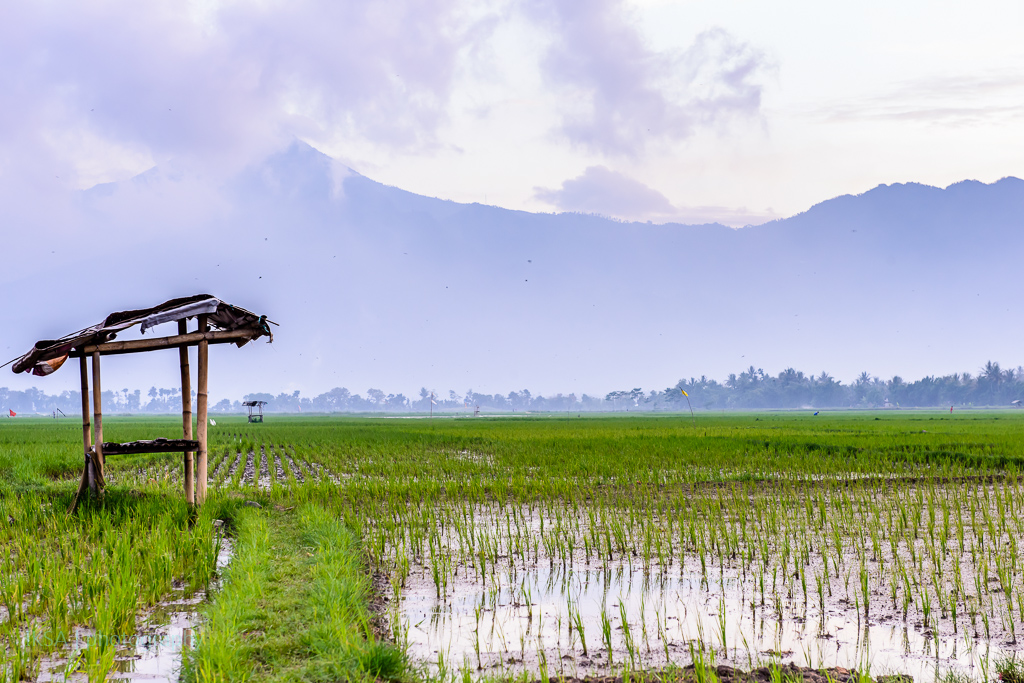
x=86, y=426
x=97, y=418
x=186, y=414
x=191, y=339
x=201, y=400
x=86, y=433
x=90, y=473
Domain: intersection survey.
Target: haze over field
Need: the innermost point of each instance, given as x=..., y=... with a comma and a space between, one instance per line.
x=374, y=286
x=176, y=151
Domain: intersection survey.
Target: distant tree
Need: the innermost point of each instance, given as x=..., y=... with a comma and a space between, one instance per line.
x=375, y=396
x=334, y=401
x=636, y=395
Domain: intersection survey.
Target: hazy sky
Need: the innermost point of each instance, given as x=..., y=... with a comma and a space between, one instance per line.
x=650, y=109
x=645, y=109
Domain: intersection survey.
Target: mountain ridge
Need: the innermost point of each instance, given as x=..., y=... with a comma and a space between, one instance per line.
x=374, y=285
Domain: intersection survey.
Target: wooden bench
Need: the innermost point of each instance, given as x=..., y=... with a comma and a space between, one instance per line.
x=153, y=446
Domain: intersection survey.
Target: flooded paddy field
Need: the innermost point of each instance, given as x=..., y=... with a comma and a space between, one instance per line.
x=579, y=591
x=538, y=547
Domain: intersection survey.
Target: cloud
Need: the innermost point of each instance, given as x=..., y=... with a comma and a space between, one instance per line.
x=100, y=92
x=733, y=217
x=951, y=100
x=625, y=95
x=609, y=193
x=96, y=91
x=603, y=191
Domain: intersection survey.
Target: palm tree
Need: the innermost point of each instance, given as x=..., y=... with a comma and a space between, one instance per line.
x=992, y=372
x=991, y=378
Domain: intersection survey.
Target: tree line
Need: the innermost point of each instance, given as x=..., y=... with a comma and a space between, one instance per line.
x=751, y=389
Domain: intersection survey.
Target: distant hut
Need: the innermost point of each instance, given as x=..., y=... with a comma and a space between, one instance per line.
x=217, y=323
x=258, y=406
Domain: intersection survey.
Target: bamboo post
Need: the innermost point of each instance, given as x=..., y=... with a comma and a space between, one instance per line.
x=186, y=415
x=86, y=426
x=201, y=424
x=86, y=433
x=97, y=402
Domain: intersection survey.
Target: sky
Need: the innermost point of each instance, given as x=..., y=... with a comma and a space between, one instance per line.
x=661, y=110
x=656, y=111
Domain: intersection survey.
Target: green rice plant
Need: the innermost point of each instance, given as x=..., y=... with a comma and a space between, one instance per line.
x=722, y=624
x=627, y=635
x=953, y=676
x=97, y=659
x=606, y=634
x=576, y=622
x=22, y=657
x=703, y=665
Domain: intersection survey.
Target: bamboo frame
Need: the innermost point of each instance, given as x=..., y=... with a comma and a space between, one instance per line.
x=191, y=339
x=202, y=400
x=186, y=414
x=195, y=462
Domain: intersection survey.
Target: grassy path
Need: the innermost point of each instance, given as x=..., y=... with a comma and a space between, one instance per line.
x=294, y=606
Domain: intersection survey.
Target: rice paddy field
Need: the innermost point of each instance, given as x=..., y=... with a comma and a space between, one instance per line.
x=527, y=548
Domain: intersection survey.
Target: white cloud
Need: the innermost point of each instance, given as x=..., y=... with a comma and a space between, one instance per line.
x=984, y=98
x=603, y=191
x=623, y=96
x=609, y=193
x=93, y=86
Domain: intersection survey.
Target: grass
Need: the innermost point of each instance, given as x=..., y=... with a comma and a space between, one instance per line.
x=98, y=569
x=1010, y=670
x=294, y=606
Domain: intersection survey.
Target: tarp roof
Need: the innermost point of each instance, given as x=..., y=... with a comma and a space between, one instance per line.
x=48, y=355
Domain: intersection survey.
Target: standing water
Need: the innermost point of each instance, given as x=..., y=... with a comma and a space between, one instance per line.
x=583, y=620
x=154, y=652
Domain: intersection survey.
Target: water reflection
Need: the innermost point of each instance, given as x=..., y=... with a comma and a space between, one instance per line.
x=580, y=620
x=153, y=653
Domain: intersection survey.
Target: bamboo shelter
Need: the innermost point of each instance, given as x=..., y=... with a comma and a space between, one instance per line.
x=217, y=322
x=256, y=417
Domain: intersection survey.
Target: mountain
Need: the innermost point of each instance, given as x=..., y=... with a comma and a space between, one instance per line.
x=375, y=286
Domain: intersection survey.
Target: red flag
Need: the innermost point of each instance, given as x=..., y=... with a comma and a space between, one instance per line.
x=13, y=414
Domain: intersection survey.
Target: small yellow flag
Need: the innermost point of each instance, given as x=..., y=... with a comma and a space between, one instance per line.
x=685, y=394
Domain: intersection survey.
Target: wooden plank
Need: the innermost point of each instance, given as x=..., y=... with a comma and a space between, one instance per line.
x=154, y=446
x=191, y=339
x=201, y=423
x=186, y=414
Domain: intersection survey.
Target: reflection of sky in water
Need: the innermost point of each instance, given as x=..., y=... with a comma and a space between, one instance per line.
x=154, y=654
x=518, y=614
